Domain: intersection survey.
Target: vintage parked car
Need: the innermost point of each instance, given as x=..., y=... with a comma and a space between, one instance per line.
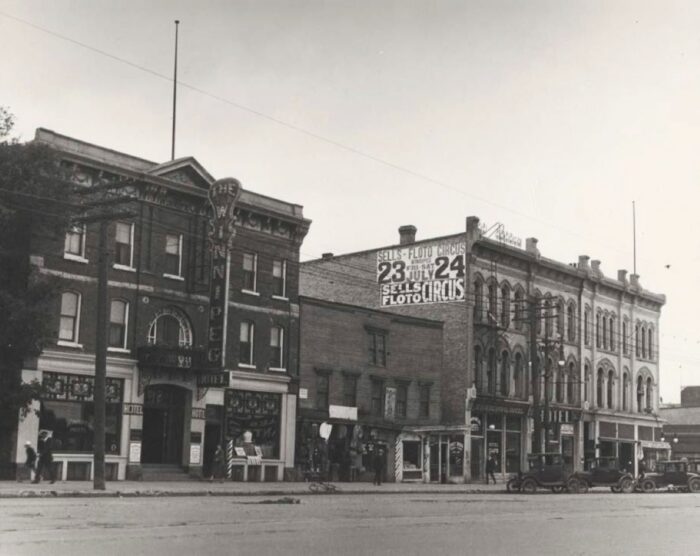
x=603, y=471
x=670, y=473
x=545, y=471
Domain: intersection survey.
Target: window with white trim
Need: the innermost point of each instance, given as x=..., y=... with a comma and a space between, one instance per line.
x=173, y=255
x=245, y=342
x=277, y=347
x=118, y=322
x=74, y=244
x=250, y=271
x=279, y=278
x=124, y=245
x=70, y=317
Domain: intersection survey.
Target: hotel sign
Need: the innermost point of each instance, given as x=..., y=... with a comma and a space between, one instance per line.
x=422, y=273
x=223, y=195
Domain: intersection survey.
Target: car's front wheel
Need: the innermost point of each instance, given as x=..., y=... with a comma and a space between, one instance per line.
x=513, y=485
x=529, y=486
x=648, y=485
x=577, y=486
x=626, y=485
x=615, y=489
x=694, y=485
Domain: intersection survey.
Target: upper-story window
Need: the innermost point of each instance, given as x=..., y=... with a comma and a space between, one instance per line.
x=611, y=333
x=625, y=392
x=625, y=342
x=650, y=343
x=561, y=318
x=643, y=334
x=504, y=378
x=597, y=331
x=74, y=244
x=124, y=247
x=322, y=390
x=505, y=307
x=349, y=390
x=605, y=331
x=173, y=255
x=246, y=343
x=118, y=322
x=70, y=317
x=493, y=304
x=279, y=278
x=519, y=312
x=547, y=316
x=587, y=326
x=424, y=400
x=401, y=399
x=377, y=347
x=478, y=300
x=170, y=327
x=377, y=400
x=277, y=348
x=250, y=272
x=571, y=322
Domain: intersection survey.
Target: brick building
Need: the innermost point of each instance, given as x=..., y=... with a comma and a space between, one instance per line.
x=165, y=415
x=682, y=424
x=373, y=376
x=595, y=345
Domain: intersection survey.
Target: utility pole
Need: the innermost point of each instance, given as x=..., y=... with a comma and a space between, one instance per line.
x=533, y=318
x=102, y=327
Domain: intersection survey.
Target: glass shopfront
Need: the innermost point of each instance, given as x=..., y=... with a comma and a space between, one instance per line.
x=258, y=413
x=502, y=440
x=446, y=457
x=68, y=412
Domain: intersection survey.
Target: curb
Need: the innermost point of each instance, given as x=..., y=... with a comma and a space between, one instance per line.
x=203, y=493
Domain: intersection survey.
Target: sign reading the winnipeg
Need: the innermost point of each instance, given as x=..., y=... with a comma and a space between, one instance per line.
x=421, y=274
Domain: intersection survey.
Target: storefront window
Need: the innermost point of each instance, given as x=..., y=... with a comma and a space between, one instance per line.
x=257, y=412
x=412, y=459
x=456, y=455
x=68, y=411
x=512, y=452
x=493, y=439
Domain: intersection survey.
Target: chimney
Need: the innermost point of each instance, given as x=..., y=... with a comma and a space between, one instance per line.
x=531, y=246
x=634, y=280
x=326, y=256
x=407, y=234
x=583, y=262
x=622, y=276
x=595, y=265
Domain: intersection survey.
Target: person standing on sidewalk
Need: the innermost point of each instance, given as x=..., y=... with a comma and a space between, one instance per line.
x=219, y=459
x=379, y=457
x=31, y=460
x=490, y=469
x=45, y=459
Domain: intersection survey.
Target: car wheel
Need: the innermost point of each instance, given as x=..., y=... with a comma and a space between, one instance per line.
x=557, y=489
x=576, y=486
x=615, y=489
x=626, y=485
x=512, y=486
x=694, y=485
x=529, y=486
x=648, y=485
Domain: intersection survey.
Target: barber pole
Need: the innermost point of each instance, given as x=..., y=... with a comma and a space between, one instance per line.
x=398, y=458
x=229, y=459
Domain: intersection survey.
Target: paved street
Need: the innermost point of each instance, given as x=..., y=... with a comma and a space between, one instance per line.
x=410, y=523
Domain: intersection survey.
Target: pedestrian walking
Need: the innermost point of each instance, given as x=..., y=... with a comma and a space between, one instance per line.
x=379, y=457
x=490, y=469
x=219, y=464
x=30, y=463
x=45, y=466
x=642, y=467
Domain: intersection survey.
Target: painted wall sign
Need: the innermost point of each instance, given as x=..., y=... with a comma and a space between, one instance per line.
x=223, y=195
x=389, y=402
x=213, y=380
x=134, y=452
x=195, y=454
x=342, y=412
x=422, y=273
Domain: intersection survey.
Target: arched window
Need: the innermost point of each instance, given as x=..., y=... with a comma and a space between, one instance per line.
x=547, y=317
x=505, y=306
x=625, y=343
x=559, y=384
x=277, y=359
x=170, y=327
x=504, y=378
x=518, y=378
x=599, y=389
x=491, y=372
x=625, y=392
x=69, y=327
x=637, y=343
x=650, y=343
x=587, y=326
x=493, y=304
x=611, y=389
x=611, y=332
x=643, y=333
x=570, y=324
x=640, y=394
x=478, y=368
x=597, y=330
x=519, y=312
x=561, y=315
x=588, y=384
x=605, y=332
x=478, y=300
x=570, y=383
x=649, y=403
x=538, y=306
x=118, y=321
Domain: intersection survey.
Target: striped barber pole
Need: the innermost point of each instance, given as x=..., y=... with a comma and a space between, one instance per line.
x=398, y=458
x=229, y=459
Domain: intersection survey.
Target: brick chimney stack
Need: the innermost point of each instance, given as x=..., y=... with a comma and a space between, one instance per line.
x=407, y=234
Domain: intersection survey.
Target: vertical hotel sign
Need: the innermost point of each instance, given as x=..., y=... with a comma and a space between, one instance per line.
x=223, y=195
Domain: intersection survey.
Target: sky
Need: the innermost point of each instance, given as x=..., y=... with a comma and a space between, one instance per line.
x=548, y=117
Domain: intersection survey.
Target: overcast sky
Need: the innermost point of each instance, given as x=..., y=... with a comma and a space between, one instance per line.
x=550, y=117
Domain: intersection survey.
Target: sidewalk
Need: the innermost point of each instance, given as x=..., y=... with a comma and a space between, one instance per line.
x=67, y=489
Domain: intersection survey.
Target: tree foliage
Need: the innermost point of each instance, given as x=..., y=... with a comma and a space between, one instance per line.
x=36, y=207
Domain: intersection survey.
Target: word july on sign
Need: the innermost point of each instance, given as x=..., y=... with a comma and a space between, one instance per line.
x=432, y=273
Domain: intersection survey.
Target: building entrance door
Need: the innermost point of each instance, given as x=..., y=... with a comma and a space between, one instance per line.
x=163, y=424
x=567, y=452
x=477, y=457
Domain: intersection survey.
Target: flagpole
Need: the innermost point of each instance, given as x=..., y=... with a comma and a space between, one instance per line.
x=172, y=149
x=634, y=238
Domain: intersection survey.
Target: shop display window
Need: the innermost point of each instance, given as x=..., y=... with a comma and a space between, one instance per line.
x=258, y=413
x=512, y=452
x=412, y=459
x=456, y=457
x=493, y=439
